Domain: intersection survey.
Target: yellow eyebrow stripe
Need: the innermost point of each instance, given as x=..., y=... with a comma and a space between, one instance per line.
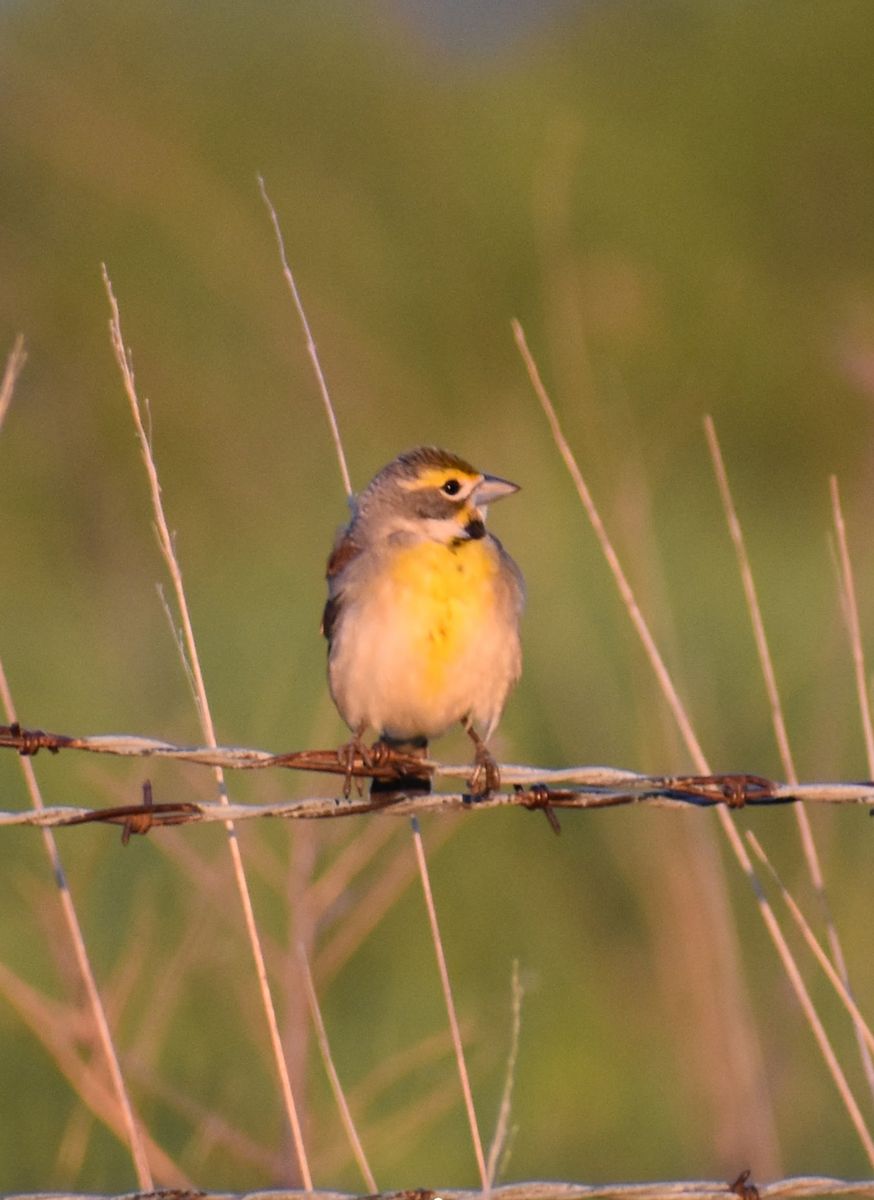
x=434, y=477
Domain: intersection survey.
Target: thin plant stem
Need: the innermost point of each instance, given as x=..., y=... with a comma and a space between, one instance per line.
x=755, y=611
x=664, y=679
x=83, y=963
x=851, y=613
x=56, y=1027
x=819, y=954
x=834, y=1067
x=178, y=637
x=503, y=1122
x=450, y=1005
x=14, y=363
x=311, y=345
x=165, y=541
x=734, y=838
x=808, y=843
x=336, y=1086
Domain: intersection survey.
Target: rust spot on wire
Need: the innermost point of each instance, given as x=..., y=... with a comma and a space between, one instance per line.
x=733, y=790
x=30, y=741
x=382, y=762
x=141, y=818
x=414, y=1194
x=141, y=822
x=540, y=796
x=743, y=1188
x=170, y=1194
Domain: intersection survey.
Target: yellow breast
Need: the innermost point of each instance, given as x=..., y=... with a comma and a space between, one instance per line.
x=443, y=596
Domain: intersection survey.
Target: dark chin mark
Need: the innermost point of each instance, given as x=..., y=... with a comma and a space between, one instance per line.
x=475, y=529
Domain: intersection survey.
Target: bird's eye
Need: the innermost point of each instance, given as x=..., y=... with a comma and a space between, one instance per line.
x=451, y=487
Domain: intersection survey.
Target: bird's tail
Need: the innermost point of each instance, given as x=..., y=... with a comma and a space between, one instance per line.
x=409, y=782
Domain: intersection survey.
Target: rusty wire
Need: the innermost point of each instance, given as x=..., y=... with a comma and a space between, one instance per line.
x=794, y=1188
x=532, y=787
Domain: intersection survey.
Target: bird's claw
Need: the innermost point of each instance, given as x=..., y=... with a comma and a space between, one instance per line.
x=486, y=777
x=347, y=754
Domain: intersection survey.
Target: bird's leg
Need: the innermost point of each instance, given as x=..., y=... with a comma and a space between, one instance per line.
x=348, y=752
x=486, y=775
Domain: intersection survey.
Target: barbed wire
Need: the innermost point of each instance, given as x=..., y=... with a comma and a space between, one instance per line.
x=794, y=1188
x=532, y=787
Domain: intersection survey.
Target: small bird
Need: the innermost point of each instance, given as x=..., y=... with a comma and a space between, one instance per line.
x=423, y=610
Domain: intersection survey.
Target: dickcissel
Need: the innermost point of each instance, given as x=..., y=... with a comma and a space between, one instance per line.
x=422, y=618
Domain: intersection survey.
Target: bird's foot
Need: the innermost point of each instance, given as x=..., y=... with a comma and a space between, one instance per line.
x=348, y=753
x=486, y=777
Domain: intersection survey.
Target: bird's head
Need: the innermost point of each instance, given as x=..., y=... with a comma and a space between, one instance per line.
x=431, y=494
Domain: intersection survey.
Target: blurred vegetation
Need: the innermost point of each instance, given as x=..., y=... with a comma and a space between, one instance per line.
x=675, y=199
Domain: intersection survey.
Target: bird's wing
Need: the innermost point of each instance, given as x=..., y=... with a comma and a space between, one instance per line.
x=343, y=553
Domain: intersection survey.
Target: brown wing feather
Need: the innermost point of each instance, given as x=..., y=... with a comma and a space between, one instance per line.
x=342, y=554
x=329, y=616
x=344, y=551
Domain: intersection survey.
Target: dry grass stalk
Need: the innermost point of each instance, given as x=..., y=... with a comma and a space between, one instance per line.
x=851, y=614
x=244, y=1148
x=734, y=838
x=393, y=1134
x=212, y=1130
x=353, y=858
x=14, y=363
x=336, y=1086
x=664, y=679
x=450, y=1005
x=55, y=1027
x=360, y=921
x=755, y=611
x=746, y=1052
x=819, y=954
x=502, y=1126
x=115, y=1108
x=808, y=843
x=837, y=1074
x=168, y=551
x=311, y=345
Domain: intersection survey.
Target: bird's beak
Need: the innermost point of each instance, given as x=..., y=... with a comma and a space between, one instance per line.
x=491, y=489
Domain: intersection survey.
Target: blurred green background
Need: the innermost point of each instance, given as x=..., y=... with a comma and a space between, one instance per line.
x=676, y=198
